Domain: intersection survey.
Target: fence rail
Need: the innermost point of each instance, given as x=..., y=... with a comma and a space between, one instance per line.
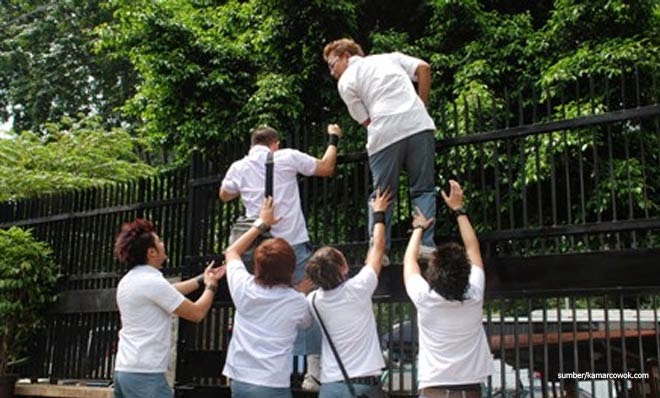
x=564, y=191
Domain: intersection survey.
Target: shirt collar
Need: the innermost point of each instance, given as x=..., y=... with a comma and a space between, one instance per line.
x=258, y=149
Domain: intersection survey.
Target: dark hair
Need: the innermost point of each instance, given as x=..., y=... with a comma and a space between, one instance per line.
x=274, y=262
x=264, y=135
x=341, y=46
x=133, y=241
x=449, y=272
x=324, y=268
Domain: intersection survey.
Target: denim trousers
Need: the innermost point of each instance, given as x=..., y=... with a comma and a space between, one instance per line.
x=339, y=389
x=141, y=385
x=417, y=154
x=240, y=389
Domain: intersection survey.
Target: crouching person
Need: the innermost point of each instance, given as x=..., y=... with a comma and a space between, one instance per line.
x=268, y=313
x=146, y=302
x=344, y=309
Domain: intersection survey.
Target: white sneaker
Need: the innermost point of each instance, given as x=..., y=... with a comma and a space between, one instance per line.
x=311, y=382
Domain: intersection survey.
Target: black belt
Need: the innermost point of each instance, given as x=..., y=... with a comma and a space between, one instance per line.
x=367, y=380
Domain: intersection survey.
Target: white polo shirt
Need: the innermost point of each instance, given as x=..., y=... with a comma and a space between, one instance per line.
x=453, y=348
x=146, y=301
x=347, y=312
x=265, y=326
x=379, y=87
x=247, y=177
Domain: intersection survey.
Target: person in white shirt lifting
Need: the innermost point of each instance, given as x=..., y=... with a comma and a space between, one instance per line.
x=246, y=178
x=269, y=312
x=379, y=94
x=146, y=302
x=454, y=357
x=345, y=307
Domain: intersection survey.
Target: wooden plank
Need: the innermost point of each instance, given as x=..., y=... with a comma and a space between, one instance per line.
x=51, y=390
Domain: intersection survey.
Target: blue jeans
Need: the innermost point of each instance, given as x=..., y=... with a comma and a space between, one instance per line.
x=141, y=385
x=308, y=340
x=339, y=389
x=417, y=154
x=247, y=390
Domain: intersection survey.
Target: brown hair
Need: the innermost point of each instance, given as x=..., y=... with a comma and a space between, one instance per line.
x=133, y=241
x=264, y=135
x=449, y=272
x=341, y=46
x=324, y=268
x=274, y=262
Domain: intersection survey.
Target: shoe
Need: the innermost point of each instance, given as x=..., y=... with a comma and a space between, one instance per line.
x=311, y=381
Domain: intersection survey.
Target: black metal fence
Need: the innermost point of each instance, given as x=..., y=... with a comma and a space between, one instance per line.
x=562, y=186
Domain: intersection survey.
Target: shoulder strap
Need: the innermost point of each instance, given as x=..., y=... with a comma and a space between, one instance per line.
x=334, y=350
x=268, y=191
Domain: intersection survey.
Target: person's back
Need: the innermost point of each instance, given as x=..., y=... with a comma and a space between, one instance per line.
x=348, y=315
x=248, y=175
x=454, y=356
x=345, y=309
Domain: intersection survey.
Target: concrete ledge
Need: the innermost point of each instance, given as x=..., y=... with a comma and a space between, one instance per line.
x=58, y=391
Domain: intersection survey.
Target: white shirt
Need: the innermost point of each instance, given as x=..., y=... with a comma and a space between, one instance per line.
x=146, y=301
x=247, y=177
x=452, y=343
x=379, y=87
x=348, y=315
x=265, y=327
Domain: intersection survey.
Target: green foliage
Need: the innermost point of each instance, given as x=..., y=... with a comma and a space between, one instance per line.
x=71, y=154
x=49, y=69
x=27, y=276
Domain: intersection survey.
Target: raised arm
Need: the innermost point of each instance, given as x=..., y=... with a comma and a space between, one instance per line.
x=410, y=264
x=423, y=73
x=379, y=205
x=196, y=311
x=455, y=202
x=263, y=224
x=325, y=166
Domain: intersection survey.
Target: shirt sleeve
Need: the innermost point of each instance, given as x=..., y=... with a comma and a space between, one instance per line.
x=417, y=287
x=408, y=63
x=356, y=107
x=477, y=282
x=164, y=294
x=231, y=182
x=237, y=278
x=304, y=164
x=363, y=285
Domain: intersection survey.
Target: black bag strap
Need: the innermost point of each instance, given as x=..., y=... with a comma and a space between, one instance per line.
x=334, y=350
x=268, y=191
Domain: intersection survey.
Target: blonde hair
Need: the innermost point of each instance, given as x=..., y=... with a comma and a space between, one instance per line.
x=341, y=46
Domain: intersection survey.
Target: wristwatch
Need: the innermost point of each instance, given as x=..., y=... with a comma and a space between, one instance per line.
x=460, y=212
x=261, y=225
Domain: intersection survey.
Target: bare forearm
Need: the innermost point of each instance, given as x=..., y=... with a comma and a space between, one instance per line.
x=326, y=166
x=376, y=252
x=188, y=286
x=242, y=244
x=423, y=73
x=410, y=264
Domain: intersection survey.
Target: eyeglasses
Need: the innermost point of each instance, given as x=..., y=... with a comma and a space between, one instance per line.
x=331, y=64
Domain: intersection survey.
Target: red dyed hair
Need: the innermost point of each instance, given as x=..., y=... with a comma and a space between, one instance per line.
x=133, y=241
x=274, y=262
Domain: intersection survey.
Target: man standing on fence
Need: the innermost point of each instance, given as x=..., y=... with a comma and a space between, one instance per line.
x=146, y=302
x=379, y=94
x=246, y=177
x=454, y=357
